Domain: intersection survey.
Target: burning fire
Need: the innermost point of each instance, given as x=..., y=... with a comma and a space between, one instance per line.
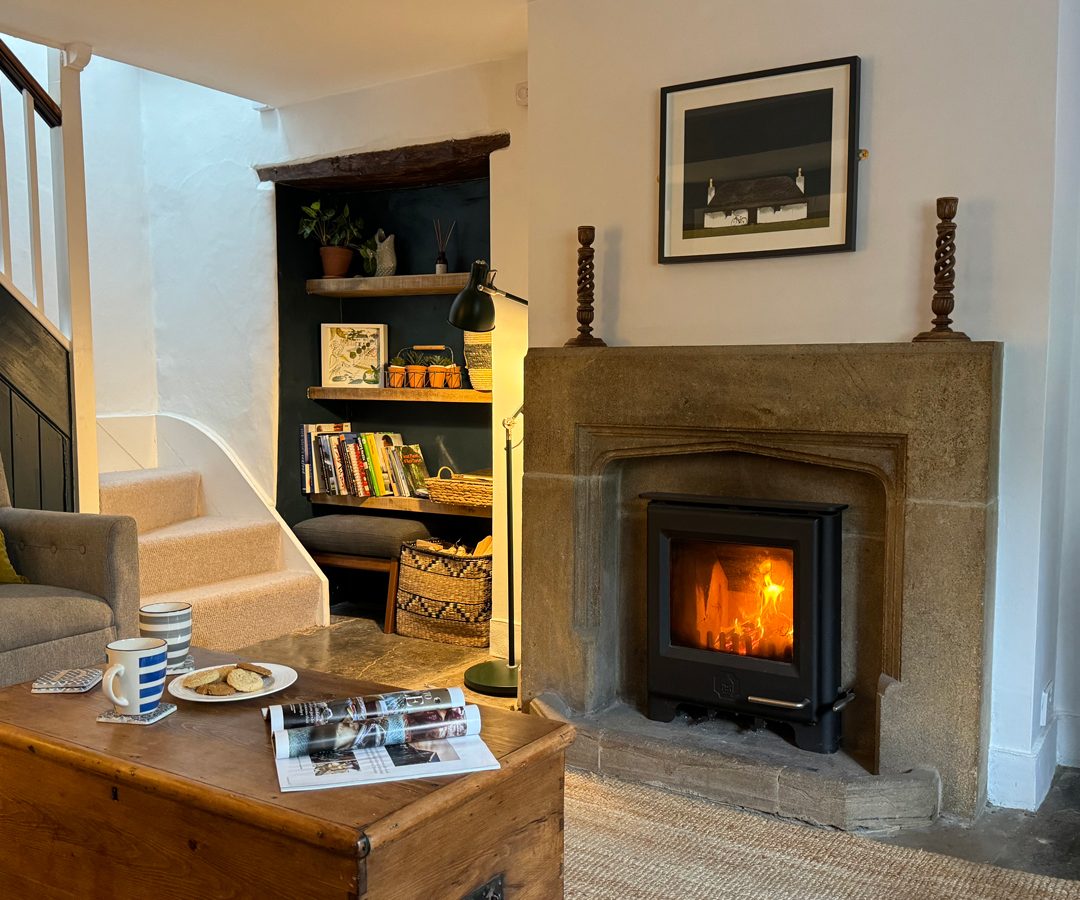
x=743, y=605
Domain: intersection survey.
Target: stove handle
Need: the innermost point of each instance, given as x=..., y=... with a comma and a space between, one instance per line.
x=786, y=704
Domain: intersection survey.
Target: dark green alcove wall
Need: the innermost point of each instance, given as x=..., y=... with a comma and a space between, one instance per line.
x=457, y=435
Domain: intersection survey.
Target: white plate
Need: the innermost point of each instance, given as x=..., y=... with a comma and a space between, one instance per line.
x=280, y=678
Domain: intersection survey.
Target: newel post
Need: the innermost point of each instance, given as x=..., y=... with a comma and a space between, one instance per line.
x=73, y=264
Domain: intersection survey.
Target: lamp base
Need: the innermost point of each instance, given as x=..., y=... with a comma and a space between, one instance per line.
x=495, y=678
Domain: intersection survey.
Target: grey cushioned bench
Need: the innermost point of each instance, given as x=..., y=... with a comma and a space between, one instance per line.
x=371, y=543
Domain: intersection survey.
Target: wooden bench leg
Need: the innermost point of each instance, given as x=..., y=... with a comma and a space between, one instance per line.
x=391, y=598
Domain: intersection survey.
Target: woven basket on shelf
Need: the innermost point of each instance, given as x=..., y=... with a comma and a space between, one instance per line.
x=444, y=598
x=464, y=490
x=478, y=359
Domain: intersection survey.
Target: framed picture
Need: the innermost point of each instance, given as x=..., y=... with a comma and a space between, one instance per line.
x=761, y=164
x=353, y=355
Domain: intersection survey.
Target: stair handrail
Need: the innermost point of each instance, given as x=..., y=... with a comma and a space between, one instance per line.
x=44, y=105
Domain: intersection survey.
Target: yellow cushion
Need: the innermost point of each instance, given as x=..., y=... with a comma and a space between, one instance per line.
x=8, y=575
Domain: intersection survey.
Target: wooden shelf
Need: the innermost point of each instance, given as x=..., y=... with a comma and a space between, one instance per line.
x=389, y=285
x=408, y=395
x=403, y=504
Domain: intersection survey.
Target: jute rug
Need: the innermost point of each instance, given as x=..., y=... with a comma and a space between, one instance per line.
x=630, y=841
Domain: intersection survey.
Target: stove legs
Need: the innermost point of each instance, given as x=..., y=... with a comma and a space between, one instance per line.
x=824, y=737
x=661, y=709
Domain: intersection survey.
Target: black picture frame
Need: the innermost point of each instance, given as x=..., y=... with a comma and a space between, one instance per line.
x=746, y=128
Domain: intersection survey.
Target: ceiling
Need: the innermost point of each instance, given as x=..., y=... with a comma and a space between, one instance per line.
x=280, y=51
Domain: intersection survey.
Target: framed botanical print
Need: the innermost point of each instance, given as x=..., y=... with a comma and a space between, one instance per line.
x=761, y=164
x=353, y=355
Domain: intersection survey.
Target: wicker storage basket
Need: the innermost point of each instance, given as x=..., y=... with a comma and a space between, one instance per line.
x=464, y=490
x=444, y=598
x=478, y=359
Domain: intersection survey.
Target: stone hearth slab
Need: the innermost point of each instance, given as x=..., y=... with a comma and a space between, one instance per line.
x=755, y=770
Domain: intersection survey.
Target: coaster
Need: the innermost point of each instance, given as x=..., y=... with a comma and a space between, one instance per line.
x=66, y=681
x=182, y=668
x=113, y=718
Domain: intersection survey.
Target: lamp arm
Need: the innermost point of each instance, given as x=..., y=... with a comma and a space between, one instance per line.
x=499, y=292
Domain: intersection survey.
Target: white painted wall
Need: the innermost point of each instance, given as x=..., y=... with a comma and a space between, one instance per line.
x=118, y=225
x=957, y=98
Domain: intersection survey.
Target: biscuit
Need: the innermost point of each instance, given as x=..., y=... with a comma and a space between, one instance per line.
x=196, y=679
x=245, y=681
x=258, y=670
x=215, y=690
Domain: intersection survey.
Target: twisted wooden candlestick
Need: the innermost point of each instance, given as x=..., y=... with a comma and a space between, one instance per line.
x=944, y=275
x=586, y=234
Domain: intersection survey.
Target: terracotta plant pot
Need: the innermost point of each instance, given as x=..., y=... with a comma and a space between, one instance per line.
x=335, y=261
x=453, y=377
x=436, y=376
x=395, y=376
x=417, y=376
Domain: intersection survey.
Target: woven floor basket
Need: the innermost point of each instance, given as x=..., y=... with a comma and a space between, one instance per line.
x=464, y=490
x=478, y=359
x=444, y=598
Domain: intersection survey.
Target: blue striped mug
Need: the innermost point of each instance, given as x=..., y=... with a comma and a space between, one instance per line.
x=137, y=665
x=170, y=620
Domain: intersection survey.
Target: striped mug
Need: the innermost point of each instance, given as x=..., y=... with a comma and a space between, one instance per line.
x=137, y=665
x=171, y=622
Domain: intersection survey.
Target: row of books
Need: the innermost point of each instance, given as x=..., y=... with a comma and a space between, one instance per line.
x=334, y=459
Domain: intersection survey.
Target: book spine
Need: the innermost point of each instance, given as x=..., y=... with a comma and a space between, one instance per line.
x=374, y=469
x=327, y=465
x=399, y=472
x=305, y=474
x=342, y=473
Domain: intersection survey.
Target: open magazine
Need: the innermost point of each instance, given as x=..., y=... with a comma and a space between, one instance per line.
x=385, y=737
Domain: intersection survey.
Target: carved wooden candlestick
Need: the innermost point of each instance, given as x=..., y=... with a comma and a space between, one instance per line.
x=586, y=234
x=944, y=275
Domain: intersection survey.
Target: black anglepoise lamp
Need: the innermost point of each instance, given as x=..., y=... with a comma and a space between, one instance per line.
x=474, y=310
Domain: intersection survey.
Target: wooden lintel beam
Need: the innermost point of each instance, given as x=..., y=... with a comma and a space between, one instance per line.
x=18, y=75
x=420, y=164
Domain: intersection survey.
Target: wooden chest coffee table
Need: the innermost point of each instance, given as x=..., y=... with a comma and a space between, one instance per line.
x=190, y=808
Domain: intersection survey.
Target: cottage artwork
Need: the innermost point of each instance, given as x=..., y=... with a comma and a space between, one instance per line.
x=758, y=165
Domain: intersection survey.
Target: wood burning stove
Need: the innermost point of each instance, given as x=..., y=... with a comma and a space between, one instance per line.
x=744, y=611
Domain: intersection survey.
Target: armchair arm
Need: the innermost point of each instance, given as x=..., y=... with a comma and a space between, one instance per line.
x=95, y=554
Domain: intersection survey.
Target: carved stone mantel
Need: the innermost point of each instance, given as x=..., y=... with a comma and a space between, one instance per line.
x=908, y=431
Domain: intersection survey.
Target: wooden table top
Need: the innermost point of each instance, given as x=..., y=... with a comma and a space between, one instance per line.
x=218, y=756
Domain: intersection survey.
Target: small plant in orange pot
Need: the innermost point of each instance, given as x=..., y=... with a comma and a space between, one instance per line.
x=415, y=369
x=395, y=373
x=438, y=370
x=453, y=377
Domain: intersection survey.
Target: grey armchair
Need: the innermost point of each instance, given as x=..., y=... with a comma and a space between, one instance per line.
x=83, y=591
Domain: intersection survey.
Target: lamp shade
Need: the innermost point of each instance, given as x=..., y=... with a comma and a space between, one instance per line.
x=473, y=309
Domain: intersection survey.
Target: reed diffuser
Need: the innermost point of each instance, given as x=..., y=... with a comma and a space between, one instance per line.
x=442, y=239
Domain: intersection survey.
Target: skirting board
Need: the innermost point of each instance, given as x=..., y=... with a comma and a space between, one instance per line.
x=1021, y=779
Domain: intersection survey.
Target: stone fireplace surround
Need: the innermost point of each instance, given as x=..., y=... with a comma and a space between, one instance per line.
x=906, y=434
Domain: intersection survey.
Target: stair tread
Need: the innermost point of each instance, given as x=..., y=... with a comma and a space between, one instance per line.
x=140, y=476
x=274, y=579
x=206, y=525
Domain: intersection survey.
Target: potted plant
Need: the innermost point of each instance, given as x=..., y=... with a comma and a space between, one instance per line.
x=415, y=370
x=437, y=371
x=395, y=373
x=453, y=376
x=335, y=231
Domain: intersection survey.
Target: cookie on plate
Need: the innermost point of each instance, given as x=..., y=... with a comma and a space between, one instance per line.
x=244, y=681
x=217, y=689
x=198, y=679
x=257, y=669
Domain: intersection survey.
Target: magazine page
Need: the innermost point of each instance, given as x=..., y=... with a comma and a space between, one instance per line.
x=420, y=759
x=358, y=734
x=328, y=712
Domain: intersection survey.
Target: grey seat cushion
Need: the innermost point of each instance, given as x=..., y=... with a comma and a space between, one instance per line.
x=36, y=613
x=377, y=536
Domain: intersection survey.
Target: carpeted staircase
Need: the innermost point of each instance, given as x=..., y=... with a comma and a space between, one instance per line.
x=228, y=569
